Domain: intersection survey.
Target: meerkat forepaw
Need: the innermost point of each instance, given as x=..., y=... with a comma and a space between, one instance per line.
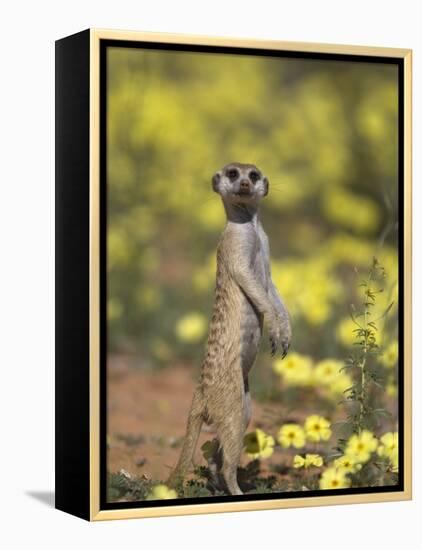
x=280, y=336
x=275, y=337
x=286, y=341
x=285, y=348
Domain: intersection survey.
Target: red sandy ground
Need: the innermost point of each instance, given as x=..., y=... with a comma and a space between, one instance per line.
x=147, y=413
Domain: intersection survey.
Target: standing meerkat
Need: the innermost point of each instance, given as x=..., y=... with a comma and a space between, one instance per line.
x=245, y=295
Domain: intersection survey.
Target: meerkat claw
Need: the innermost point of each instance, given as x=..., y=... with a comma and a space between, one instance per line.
x=286, y=348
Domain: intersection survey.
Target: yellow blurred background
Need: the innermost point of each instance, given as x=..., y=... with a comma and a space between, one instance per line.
x=325, y=134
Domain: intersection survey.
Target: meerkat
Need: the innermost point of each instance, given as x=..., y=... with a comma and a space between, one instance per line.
x=245, y=295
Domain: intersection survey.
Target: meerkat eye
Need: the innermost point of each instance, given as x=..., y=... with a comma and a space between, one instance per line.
x=254, y=176
x=232, y=174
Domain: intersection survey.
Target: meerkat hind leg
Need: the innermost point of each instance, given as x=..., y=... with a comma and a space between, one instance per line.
x=194, y=424
x=230, y=434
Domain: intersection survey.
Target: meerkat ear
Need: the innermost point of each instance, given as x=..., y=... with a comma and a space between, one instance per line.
x=215, y=181
x=266, y=186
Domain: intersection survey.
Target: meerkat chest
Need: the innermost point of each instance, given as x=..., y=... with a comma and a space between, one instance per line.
x=260, y=260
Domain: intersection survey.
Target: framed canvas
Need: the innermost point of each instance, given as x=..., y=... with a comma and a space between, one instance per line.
x=233, y=274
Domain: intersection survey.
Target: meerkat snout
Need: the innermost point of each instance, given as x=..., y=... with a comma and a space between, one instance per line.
x=244, y=187
x=240, y=183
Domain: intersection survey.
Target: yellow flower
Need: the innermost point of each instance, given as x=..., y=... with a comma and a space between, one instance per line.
x=307, y=461
x=309, y=286
x=296, y=369
x=161, y=492
x=389, y=444
x=318, y=311
x=334, y=478
x=390, y=356
x=395, y=462
x=327, y=371
x=317, y=428
x=348, y=463
x=298, y=461
x=191, y=328
x=345, y=332
x=258, y=444
x=291, y=435
x=390, y=448
x=391, y=389
x=341, y=383
x=361, y=446
x=313, y=460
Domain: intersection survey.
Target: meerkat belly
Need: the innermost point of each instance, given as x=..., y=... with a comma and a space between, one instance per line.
x=252, y=320
x=250, y=338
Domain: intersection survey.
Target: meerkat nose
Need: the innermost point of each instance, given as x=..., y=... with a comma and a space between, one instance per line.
x=244, y=185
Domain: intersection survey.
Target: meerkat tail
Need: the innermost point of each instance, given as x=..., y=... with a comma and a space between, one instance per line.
x=189, y=445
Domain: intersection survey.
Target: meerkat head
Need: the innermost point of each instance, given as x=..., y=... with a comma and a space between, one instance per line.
x=239, y=183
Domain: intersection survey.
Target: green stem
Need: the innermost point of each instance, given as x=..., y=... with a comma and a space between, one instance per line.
x=365, y=354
